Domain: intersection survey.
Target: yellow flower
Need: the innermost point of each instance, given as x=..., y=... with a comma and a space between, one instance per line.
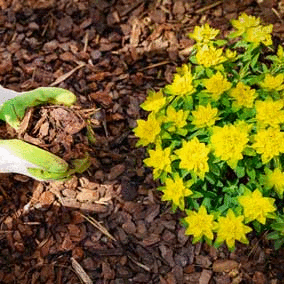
x=204, y=116
x=259, y=34
x=251, y=29
x=204, y=34
x=269, y=143
x=280, y=52
x=147, y=130
x=275, y=179
x=269, y=112
x=256, y=207
x=209, y=56
x=175, y=191
x=217, y=85
x=182, y=83
x=231, y=54
x=184, y=69
x=194, y=156
x=154, y=102
x=200, y=224
x=229, y=142
x=273, y=83
x=243, y=95
x=231, y=228
x=160, y=160
x=243, y=126
x=244, y=22
x=177, y=117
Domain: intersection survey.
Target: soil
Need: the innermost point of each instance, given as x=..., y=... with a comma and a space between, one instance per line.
x=108, y=225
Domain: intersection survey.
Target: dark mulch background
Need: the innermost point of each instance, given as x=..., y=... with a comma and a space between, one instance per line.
x=109, y=53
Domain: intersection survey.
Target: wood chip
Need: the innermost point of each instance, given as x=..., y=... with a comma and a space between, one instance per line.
x=80, y=272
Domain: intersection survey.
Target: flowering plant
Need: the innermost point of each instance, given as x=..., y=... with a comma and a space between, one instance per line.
x=215, y=135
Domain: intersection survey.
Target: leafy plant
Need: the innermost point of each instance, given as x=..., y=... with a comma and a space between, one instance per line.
x=215, y=136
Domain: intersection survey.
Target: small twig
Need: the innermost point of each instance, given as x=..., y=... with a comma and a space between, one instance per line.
x=80, y=271
x=140, y=264
x=155, y=65
x=253, y=249
x=67, y=75
x=201, y=10
x=86, y=41
x=277, y=14
x=99, y=226
x=32, y=223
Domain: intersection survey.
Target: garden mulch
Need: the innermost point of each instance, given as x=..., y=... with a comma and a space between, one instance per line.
x=108, y=225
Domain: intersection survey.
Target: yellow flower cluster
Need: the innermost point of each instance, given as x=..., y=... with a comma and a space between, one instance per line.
x=175, y=191
x=275, y=179
x=178, y=118
x=159, y=160
x=269, y=143
x=256, y=207
x=217, y=85
x=204, y=34
x=193, y=157
x=228, y=143
x=252, y=31
x=209, y=56
x=271, y=82
x=243, y=96
x=245, y=22
x=182, y=84
x=154, y=102
x=200, y=224
x=204, y=116
x=232, y=228
x=147, y=130
x=269, y=112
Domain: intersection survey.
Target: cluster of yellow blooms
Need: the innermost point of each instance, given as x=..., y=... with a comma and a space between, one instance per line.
x=210, y=116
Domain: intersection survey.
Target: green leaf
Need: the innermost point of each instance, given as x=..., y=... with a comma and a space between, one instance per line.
x=165, y=135
x=220, y=42
x=209, y=72
x=211, y=178
x=278, y=226
x=199, y=71
x=193, y=60
x=257, y=226
x=196, y=194
x=90, y=134
x=188, y=102
x=240, y=171
x=278, y=243
x=219, y=183
x=254, y=60
x=273, y=236
x=214, y=168
x=248, y=151
x=251, y=173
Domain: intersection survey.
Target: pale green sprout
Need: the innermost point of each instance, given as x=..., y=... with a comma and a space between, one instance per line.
x=21, y=157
